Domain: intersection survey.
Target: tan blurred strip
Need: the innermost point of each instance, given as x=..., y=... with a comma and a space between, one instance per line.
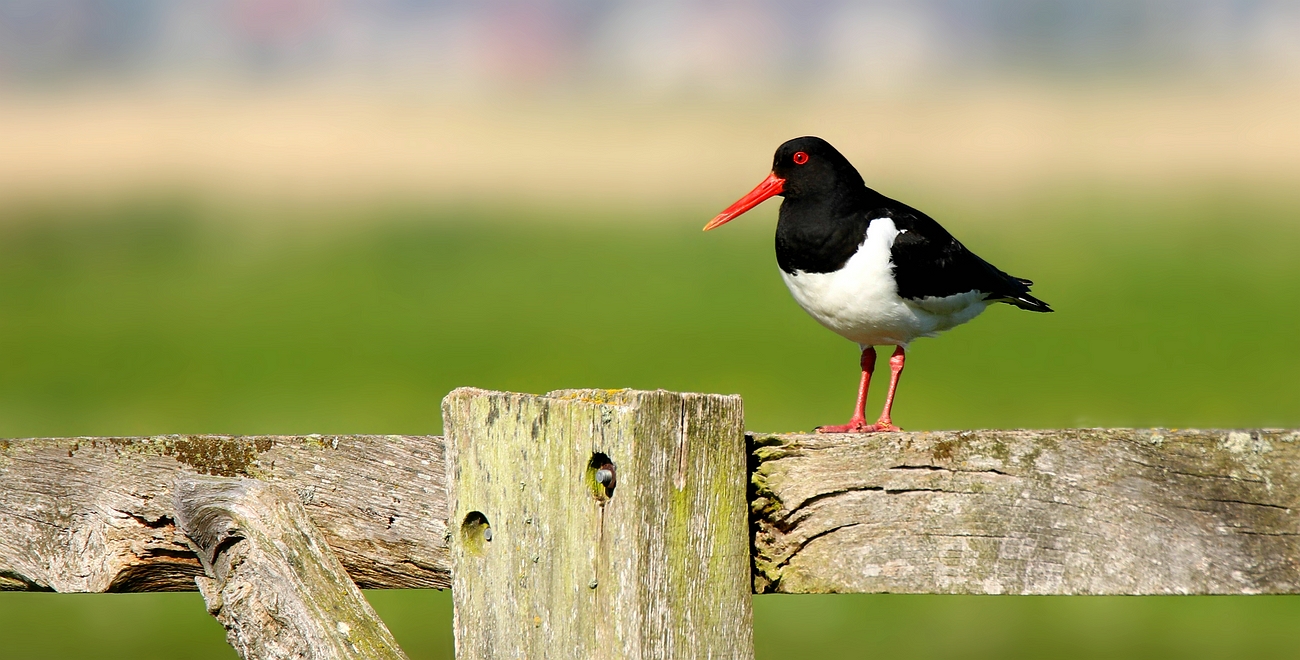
x=325, y=146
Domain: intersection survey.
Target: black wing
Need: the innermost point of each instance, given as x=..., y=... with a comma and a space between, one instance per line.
x=928, y=261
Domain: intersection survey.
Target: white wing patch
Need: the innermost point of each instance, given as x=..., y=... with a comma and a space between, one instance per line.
x=944, y=305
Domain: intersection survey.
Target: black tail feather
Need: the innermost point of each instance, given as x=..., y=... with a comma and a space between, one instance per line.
x=1028, y=302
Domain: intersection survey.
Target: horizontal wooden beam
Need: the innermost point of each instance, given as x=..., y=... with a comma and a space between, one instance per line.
x=1084, y=511
x=1081, y=511
x=96, y=514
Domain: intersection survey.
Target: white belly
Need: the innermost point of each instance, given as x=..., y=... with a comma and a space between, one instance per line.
x=860, y=301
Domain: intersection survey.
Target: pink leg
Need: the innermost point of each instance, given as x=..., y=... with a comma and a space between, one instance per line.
x=895, y=370
x=859, y=420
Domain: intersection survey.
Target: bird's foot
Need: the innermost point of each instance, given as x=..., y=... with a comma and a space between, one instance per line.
x=855, y=425
x=859, y=426
x=883, y=426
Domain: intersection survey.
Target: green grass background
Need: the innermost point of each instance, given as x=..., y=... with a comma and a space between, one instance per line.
x=167, y=315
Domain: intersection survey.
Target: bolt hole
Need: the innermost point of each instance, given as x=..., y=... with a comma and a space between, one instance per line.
x=475, y=533
x=602, y=476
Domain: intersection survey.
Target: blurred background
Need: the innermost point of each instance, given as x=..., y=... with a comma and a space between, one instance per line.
x=294, y=216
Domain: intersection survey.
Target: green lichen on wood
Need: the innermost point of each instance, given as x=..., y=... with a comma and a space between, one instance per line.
x=944, y=450
x=215, y=455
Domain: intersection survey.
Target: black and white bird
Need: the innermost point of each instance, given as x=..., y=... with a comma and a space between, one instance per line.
x=873, y=270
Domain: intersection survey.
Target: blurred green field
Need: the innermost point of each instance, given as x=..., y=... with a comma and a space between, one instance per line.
x=165, y=315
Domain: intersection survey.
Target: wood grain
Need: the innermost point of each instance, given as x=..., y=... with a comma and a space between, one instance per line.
x=95, y=514
x=270, y=578
x=1082, y=511
x=549, y=563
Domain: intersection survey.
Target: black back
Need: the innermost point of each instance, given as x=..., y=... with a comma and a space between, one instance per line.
x=824, y=220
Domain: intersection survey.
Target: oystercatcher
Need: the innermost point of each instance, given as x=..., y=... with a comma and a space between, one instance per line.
x=873, y=270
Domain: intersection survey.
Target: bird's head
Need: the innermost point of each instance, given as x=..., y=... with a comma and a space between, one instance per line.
x=803, y=167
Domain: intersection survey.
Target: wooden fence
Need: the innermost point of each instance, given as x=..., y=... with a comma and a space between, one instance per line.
x=627, y=524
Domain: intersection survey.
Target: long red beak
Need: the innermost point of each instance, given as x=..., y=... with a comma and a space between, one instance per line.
x=772, y=185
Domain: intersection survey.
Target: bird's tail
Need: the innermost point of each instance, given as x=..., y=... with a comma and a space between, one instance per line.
x=1026, y=301
x=1014, y=290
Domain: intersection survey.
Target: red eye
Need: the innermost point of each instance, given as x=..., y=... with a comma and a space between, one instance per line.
x=800, y=158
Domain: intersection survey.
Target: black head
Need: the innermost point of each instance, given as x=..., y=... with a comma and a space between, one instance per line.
x=803, y=168
x=811, y=166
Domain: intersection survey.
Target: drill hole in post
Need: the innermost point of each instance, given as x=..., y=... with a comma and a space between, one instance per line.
x=602, y=476
x=475, y=533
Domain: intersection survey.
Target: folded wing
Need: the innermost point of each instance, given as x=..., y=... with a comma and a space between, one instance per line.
x=930, y=263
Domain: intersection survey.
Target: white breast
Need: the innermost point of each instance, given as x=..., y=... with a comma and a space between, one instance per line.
x=860, y=301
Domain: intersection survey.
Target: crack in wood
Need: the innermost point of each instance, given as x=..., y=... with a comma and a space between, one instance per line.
x=908, y=491
x=969, y=535
x=1171, y=470
x=940, y=468
x=809, y=501
x=163, y=521
x=803, y=544
x=1246, y=503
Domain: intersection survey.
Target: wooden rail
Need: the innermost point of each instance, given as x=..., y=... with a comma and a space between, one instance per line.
x=1079, y=511
x=604, y=520
x=97, y=514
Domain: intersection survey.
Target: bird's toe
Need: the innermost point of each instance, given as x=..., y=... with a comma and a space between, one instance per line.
x=854, y=426
x=881, y=427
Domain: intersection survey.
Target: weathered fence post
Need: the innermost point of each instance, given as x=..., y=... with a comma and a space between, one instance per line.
x=598, y=524
x=271, y=580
